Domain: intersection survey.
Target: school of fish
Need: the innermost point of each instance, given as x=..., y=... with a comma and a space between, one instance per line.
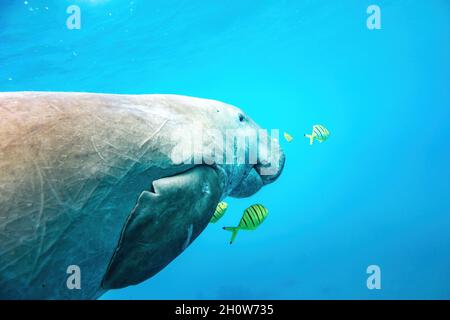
x=255, y=215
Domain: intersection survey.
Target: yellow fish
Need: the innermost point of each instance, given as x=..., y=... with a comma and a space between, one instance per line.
x=319, y=133
x=288, y=137
x=220, y=211
x=251, y=219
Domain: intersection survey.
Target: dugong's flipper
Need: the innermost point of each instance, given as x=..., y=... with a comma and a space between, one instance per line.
x=162, y=224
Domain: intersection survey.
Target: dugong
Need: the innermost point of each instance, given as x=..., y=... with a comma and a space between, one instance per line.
x=91, y=186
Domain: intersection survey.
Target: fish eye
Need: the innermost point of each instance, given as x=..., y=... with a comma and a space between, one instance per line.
x=241, y=117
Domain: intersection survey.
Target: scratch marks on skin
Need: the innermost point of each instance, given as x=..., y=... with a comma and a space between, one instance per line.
x=116, y=151
x=189, y=236
x=42, y=195
x=153, y=134
x=5, y=107
x=55, y=107
x=97, y=151
x=41, y=222
x=126, y=171
x=141, y=145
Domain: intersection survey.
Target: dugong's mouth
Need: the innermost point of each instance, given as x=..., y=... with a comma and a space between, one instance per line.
x=270, y=172
x=259, y=176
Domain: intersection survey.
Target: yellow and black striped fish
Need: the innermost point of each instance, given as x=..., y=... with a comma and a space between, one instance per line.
x=253, y=217
x=220, y=211
x=319, y=133
x=288, y=137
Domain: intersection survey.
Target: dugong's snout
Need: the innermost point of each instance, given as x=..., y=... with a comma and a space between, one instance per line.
x=271, y=170
x=261, y=174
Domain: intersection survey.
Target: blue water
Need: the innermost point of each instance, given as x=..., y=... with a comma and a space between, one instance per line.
x=377, y=192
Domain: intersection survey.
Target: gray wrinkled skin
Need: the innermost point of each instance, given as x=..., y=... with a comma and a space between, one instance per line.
x=85, y=179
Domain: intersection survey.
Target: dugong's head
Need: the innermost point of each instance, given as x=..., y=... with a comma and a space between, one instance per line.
x=218, y=151
x=225, y=137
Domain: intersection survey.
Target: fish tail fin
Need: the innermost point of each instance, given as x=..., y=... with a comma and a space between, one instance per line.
x=234, y=231
x=310, y=137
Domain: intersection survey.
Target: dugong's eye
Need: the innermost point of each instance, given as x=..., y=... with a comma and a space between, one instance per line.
x=241, y=117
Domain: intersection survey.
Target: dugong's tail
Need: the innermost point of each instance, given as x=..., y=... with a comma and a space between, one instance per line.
x=234, y=230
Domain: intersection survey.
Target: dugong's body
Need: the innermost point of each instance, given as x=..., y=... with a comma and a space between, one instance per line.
x=90, y=180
